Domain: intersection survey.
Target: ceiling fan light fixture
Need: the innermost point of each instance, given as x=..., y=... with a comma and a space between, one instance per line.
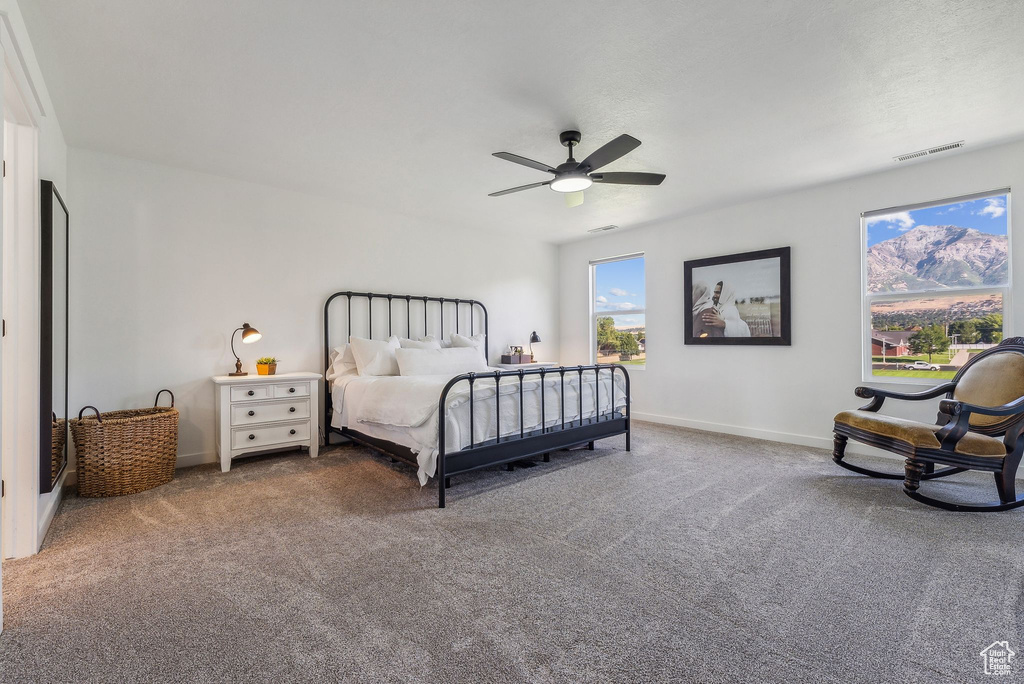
x=571, y=183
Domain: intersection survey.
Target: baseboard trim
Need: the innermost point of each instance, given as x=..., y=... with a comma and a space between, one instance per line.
x=189, y=460
x=48, y=513
x=757, y=433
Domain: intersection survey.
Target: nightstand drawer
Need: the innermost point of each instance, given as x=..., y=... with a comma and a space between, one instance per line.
x=298, y=389
x=266, y=435
x=269, y=412
x=254, y=393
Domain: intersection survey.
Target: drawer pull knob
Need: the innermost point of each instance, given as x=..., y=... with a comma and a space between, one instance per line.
x=291, y=390
x=252, y=413
x=252, y=436
x=291, y=432
x=291, y=410
x=251, y=393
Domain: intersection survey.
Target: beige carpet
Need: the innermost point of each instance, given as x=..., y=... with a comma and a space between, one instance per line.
x=696, y=557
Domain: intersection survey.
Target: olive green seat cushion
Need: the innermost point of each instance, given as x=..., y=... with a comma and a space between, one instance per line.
x=919, y=435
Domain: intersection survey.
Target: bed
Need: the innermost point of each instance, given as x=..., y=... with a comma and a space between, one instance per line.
x=446, y=425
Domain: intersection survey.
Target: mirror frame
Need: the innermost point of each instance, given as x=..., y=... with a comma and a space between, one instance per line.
x=48, y=191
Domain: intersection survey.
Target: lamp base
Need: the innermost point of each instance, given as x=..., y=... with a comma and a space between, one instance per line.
x=235, y=375
x=238, y=368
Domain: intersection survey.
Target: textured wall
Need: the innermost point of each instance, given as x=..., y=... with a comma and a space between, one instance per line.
x=165, y=263
x=786, y=393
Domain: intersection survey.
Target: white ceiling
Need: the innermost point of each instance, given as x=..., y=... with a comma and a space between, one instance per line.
x=399, y=104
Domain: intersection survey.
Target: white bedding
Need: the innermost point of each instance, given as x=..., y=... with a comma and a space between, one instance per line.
x=403, y=409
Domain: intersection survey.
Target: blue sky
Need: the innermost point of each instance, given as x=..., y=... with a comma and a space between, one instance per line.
x=619, y=285
x=987, y=215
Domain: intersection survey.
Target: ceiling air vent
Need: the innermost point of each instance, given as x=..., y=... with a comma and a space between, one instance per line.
x=930, y=150
x=602, y=229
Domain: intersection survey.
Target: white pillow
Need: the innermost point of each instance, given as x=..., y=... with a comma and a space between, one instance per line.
x=342, y=363
x=428, y=342
x=439, y=361
x=375, y=357
x=476, y=342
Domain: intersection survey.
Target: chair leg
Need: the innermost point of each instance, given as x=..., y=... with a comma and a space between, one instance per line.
x=1006, y=486
x=839, y=447
x=912, y=477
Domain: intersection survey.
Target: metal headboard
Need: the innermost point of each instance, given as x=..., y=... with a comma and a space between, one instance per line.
x=410, y=301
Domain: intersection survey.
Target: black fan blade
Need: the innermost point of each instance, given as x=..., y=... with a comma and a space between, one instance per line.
x=516, y=159
x=627, y=178
x=602, y=156
x=521, y=187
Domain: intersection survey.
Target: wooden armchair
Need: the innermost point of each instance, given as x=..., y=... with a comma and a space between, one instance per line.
x=980, y=426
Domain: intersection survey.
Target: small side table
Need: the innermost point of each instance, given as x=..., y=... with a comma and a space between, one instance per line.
x=262, y=412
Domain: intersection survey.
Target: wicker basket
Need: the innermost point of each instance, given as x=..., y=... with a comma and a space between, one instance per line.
x=124, y=452
x=60, y=434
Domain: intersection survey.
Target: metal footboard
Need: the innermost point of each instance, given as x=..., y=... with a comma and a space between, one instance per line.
x=535, y=442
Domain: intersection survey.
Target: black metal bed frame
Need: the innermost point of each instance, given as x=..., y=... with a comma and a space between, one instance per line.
x=503, y=449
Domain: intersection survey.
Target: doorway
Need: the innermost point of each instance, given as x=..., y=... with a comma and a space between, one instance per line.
x=19, y=307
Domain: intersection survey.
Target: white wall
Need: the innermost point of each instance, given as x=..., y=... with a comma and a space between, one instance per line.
x=165, y=263
x=785, y=393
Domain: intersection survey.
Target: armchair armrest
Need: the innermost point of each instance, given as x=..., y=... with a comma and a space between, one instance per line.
x=960, y=420
x=952, y=407
x=878, y=396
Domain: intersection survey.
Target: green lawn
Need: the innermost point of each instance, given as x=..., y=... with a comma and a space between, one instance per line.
x=923, y=375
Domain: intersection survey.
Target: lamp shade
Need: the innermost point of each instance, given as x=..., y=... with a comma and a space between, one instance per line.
x=250, y=334
x=534, y=337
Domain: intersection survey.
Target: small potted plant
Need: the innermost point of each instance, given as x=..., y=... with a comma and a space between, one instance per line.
x=267, y=365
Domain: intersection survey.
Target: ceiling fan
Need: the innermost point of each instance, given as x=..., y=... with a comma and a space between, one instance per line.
x=575, y=177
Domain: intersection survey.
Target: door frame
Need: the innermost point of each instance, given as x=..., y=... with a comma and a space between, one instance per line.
x=19, y=304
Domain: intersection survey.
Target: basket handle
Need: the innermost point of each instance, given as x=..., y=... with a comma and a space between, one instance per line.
x=157, y=400
x=54, y=414
x=98, y=419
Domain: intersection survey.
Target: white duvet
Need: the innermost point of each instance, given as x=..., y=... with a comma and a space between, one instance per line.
x=403, y=409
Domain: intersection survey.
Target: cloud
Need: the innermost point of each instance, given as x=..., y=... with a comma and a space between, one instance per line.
x=601, y=299
x=951, y=208
x=617, y=292
x=901, y=220
x=622, y=306
x=994, y=207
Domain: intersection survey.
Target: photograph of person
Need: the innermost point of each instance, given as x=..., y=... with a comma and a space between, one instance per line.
x=738, y=299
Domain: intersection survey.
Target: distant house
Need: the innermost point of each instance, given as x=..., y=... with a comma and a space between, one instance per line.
x=894, y=342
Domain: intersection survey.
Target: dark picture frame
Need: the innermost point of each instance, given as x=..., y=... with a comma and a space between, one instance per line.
x=784, y=336
x=55, y=242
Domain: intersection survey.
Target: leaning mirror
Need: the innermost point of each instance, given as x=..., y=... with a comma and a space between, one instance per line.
x=53, y=352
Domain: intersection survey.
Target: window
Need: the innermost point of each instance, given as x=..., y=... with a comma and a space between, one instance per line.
x=617, y=310
x=937, y=285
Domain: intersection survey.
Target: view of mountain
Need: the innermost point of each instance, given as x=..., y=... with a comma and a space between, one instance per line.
x=937, y=256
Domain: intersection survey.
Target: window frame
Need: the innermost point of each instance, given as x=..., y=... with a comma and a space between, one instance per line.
x=867, y=298
x=594, y=313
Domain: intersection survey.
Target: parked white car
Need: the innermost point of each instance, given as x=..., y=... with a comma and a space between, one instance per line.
x=921, y=365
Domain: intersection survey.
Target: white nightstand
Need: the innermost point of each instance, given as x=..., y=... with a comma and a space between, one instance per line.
x=527, y=366
x=261, y=412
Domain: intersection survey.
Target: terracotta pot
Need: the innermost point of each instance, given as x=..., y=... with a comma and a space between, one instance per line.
x=266, y=368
